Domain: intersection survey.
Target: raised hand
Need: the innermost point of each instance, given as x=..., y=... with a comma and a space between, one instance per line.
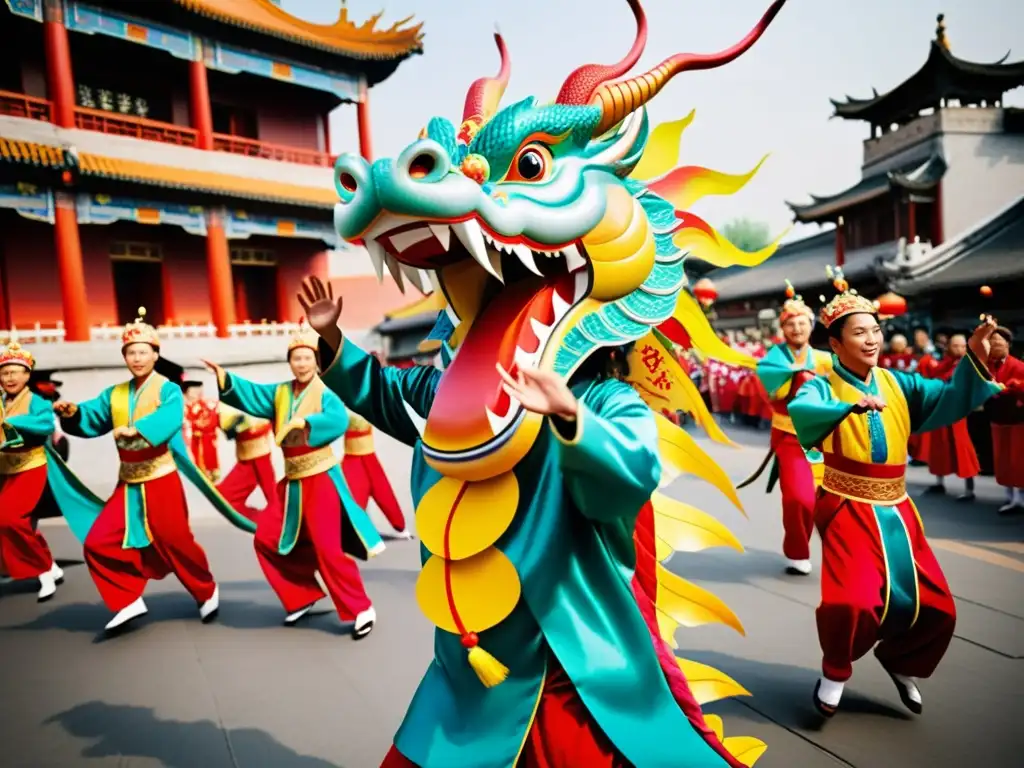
x=322, y=310
x=64, y=409
x=125, y=433
x=869, y=403
x=980, y=342
x=540, y=391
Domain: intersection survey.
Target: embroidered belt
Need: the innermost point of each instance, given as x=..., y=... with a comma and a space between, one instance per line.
x=15, y=462
x=359, y=442
x=871, y=483
x=303, y=462
x=252, y=444
x=144, y=465
x=783, y=423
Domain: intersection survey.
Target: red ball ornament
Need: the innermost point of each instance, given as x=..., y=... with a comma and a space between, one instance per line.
x=985, y=291
x=705, y=291
x=891, y=304
x=470, y=640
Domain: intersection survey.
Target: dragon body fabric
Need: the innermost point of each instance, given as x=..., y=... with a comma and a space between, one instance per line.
x=552, y=231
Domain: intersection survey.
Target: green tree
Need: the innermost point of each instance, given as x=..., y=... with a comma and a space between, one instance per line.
x=747, y=235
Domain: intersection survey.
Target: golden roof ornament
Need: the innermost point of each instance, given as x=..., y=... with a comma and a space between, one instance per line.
x=140, y=332
x=846, y=302
x=940, y=31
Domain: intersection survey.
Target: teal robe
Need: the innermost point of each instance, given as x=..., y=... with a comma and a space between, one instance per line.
x=95, y=418
x=325, y=427
x=572, y=545
x=79, y=506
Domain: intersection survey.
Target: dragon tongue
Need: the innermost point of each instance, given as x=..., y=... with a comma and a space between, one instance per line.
x=470, y=405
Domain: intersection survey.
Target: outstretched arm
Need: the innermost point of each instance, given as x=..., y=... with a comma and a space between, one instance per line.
x=158, y=427
x=934, y=403
x=91, y=418
x=244, y=395
x=39, y=420
x=816, y=412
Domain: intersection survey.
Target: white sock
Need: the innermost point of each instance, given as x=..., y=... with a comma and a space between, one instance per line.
x=1015, y=495
x=830, y=692
x=940, y=481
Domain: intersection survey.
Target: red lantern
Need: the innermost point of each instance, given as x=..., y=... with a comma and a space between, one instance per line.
x=891, y=305
x=705, y=292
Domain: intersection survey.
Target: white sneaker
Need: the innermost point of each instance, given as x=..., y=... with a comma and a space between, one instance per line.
x=364, y=623
x=402, y=535
x=48, y=583
x=133, y=611
x=292, y=618
x=827, y=695
x=208, y=610
x=798, y=567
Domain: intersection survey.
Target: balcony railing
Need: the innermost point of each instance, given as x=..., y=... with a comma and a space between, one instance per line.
x=136, y=127
x=239, y=146
x=20, y=105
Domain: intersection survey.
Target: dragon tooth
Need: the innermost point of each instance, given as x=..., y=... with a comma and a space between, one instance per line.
x=414, y=276
x=582, y=283
x=525, y=255
x=377, y=256
x=540, y=330
x=396, y=271
x=443, y=234
x=451, y=315
x=573, y=258
x=560, y=305
x=498, y=423
x=522, y=358
x=472, y=237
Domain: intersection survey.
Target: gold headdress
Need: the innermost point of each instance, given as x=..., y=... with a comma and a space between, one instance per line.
x=846, y=302
x=140, y=332
x=14, y=354
x=794, y=306
x=304, y=338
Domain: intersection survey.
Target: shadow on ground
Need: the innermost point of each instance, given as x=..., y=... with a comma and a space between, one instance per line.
x=135, y=732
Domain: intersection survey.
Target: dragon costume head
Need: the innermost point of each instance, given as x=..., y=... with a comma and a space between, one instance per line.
x=551, y=230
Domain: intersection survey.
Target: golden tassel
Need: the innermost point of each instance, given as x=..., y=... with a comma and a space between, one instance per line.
x=490, y=671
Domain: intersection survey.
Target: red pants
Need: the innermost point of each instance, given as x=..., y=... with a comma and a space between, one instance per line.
x=796, y=482
x=951, y=452
x=244, y=478
x=204, y=451
x=366, y=480
x=563, y=735
x=1008, y=454
x=292, y=576
x=121, y=574
x=23, y=551
x=853, y=581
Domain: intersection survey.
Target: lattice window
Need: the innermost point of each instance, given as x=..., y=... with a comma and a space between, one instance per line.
x=252, y=257
x=135, y=251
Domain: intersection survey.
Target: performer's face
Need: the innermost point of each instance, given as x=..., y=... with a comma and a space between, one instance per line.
x=193, y=394
x=140, y=359
x=14, y=378
x=897, y=345
x=1000, y=347
x=797, y=330
x=303, y=364
x=957, y=346
x=860, y=343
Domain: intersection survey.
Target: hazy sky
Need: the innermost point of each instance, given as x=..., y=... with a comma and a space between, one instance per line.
x=775, y=99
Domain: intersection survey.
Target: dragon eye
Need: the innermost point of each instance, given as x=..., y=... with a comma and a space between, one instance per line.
x=532, y=163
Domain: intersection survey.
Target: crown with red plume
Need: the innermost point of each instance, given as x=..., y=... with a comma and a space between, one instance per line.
x=794, y=305
x=484, y=95
x=140, y=332
x=303, y=338
x=15, y=354
x=590, y=84
x=846, y=302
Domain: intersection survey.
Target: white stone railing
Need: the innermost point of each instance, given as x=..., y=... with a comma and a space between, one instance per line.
x=37, y=334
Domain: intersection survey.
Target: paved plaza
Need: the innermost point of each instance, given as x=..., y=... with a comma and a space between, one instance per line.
x=246, y=691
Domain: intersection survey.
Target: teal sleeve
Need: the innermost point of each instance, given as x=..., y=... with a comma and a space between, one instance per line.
x=165, y=422
x=611, y=464
x=247, y=396
x=328, y=425
x=816, y=412
x=92, y=419
x=382, y=396
x=934, y=403
x=774, y=371
x=38, y=421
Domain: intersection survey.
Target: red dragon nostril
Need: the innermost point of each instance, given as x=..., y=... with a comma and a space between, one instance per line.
x=348, y=182
x=421, y=166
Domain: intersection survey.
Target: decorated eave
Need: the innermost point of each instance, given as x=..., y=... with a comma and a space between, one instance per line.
x=943, y=77
x=87, y=165
x=918, y=179
x=432, y=302
x=991, y=252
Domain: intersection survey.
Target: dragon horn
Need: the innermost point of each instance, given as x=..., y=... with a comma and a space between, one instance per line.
x=617, y=100
x=485, y=94
x=580, y=86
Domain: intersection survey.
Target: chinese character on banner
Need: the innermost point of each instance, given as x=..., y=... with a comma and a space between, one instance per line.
x=141, y=107
x=105, y=99
x=85, y=98
x=652, y=358
x=661, y=381
x=124, y=103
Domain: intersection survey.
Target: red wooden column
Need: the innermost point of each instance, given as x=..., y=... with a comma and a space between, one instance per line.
x=363, y=118
x=70, y=269
x=5, y=321
x=168, y=292
x=284, y=290
x=199, y=101
x=937, y=228
x=218, y=271
x=60, y=82
x=326, y=123
x=840, y=242
x=911, y=220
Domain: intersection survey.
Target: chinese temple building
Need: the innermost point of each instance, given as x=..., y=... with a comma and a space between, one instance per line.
x=174, y=154
x=404, y=332
x=942, y=183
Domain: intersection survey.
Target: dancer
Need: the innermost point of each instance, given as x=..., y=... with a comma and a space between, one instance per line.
x=880, y=582
x=782, y=371
x=529, y=485
x=254, y=442
x=1007, y=413
x=314, y=524
x=949, y=448
x=143, y=531
x=365, y=476
x=34, y=480
x=202, y=423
